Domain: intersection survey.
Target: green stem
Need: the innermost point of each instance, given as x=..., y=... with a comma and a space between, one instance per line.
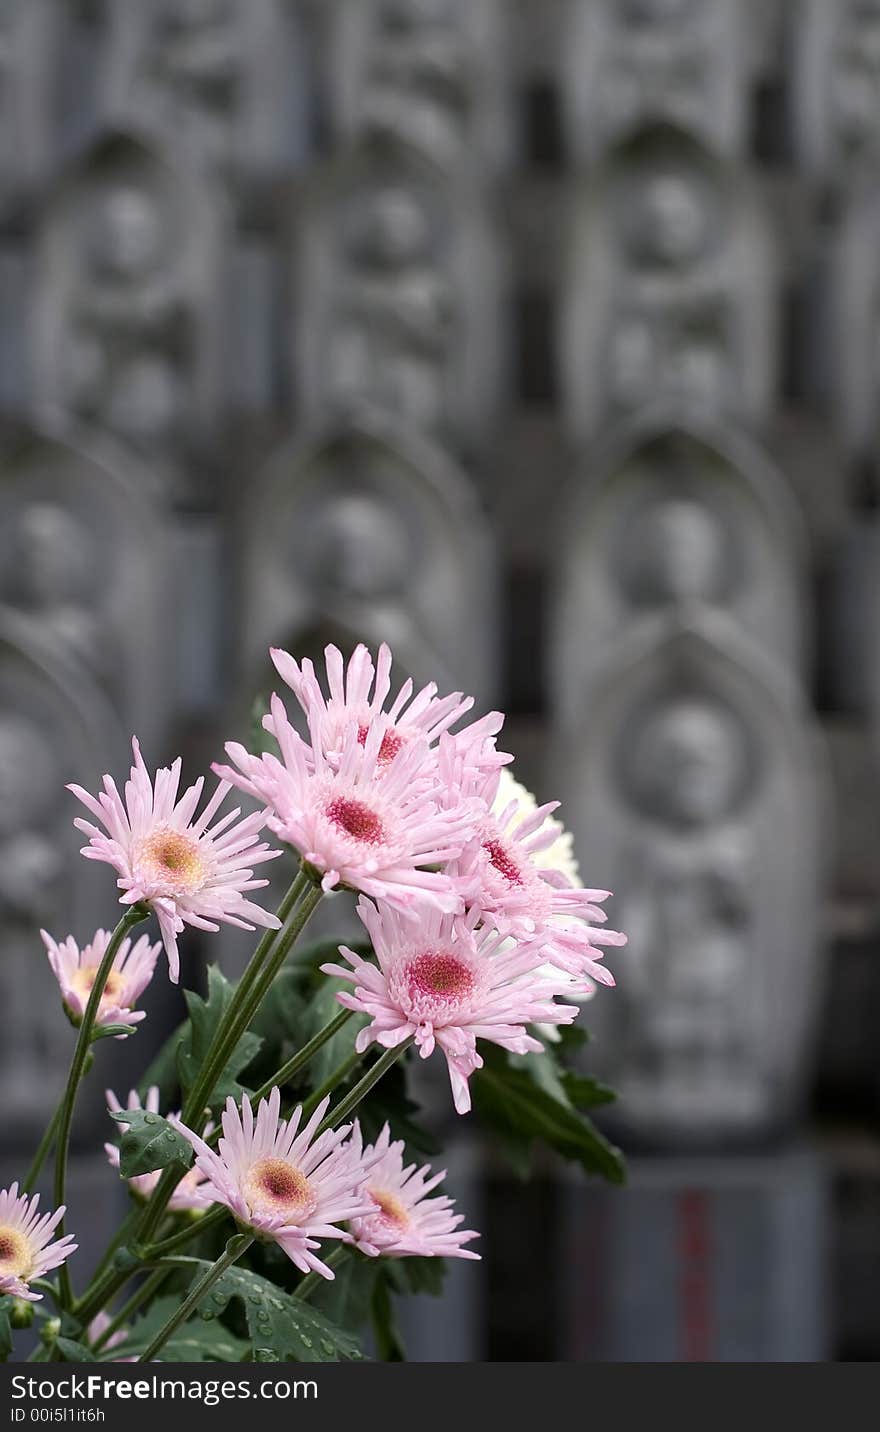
x=146, y=1290
x=288, y=936
x=311, y=1281
x=339, y=1075
x=185, y=1235
x=133, y=916
x=43, y=1149
x=362, y=1088
x=303, y=1056
x=237, y=1245
x=122, y=1234
x=298, y=904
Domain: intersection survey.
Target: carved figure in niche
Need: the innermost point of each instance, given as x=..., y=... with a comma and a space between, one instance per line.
x=687, y=767
x=53, y=564
x=669, y=218
x=30, y=874
x=193, y=63
x=677, y=551
x=661, y=63
x=855, y=82
x=391, y=341
x=674, y=317
x=356, y=548
x=419, y=78
x=130, y=334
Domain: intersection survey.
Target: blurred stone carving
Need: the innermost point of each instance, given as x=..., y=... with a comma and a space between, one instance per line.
x=26, y=84
x=430, y=72
x=697, y=795
x=54, y=727
x=630, y=63
x=855, y=323
x=223, y=80
x=674, y=515
x=84, y=563
x=372, y=535
x=397, y=299
x=835, y=89
x=670, y=288
x=127, y=326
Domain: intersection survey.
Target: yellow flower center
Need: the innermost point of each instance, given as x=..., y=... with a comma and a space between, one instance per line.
x=170, y=859
x=391, y=1207
x=275, y=1186
x=16, y=1259
x=83, y=979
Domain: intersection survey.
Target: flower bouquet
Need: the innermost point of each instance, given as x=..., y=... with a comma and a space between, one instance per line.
x=280, y=1202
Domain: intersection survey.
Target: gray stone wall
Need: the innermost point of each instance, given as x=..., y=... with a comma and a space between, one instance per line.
x=539, y=338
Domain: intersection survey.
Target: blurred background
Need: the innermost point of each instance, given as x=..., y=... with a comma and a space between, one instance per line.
x=541, y=339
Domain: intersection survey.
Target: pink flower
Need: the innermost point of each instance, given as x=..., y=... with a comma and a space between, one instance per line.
x=281, y=1182
x=130, y=973
x=96, y=1329
x=445, y=982
x=405, y=1221
x=26, y=1249
x=188, y=871
x=358, y=693
x=374, y=827
x=188, y=1194
x=504, y=875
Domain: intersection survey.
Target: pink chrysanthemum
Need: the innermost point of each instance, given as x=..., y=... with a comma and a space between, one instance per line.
x=188, y=1194
x=281, y=1181
x=96, y=1329
x=188, y=871
x=130, y=973
x=372, y=827
x=26, y=1247
x=445, y=982
x=405, y=1221
x=503, y=874
x=358, y=692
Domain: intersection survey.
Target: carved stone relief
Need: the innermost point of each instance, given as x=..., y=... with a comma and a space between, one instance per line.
x=128, y=317
x=677, y=516
x=398, y=299
x=640, y=62
x=669, y=289
x=696, y=793
x=429, y=72
x=372, y=534
x=84, y=561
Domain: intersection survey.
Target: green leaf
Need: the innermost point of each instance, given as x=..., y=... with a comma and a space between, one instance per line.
x=323, y=1007
x=347, y=1300
x=205, y=1015
x=5, y=1329
x=74, y=1351
x=516, y=1100
x=586, y=1093
x=196, y=1341
x=278, y=1323
x=111, y=1031
x=417, y=1275
x=389, y=1343
x=572, y=1038
x=149, y=1142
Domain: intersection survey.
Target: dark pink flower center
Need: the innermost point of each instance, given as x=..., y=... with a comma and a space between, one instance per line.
x=438, y=973
x=356, y=819
x=391, y=744
x=503, y=862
